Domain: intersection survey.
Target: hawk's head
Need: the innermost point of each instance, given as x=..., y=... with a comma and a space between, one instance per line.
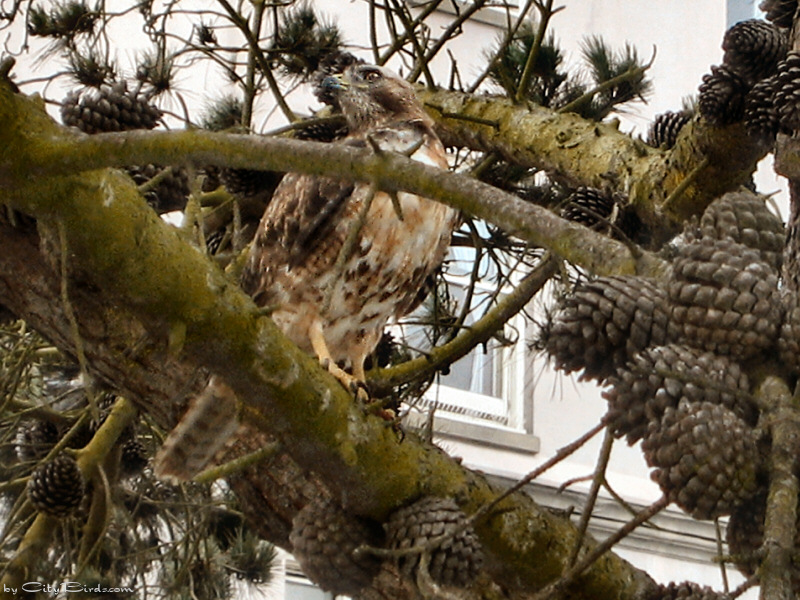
x=371, y=95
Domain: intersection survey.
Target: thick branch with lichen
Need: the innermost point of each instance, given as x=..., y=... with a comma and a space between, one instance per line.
x=137, y=265
x=780, y=527
x=67, y=153
x=598, y=155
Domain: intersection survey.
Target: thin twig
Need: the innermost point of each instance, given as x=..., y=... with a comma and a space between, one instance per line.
x=468, y=118
x=628, y=75
x=96, y=525
x=567, y=578
x=252, y=59
x=546, y=12
x=70, y=314
x=594, y=490
x=447, y=35
x=507, y=39
x=373, y=33
x=419, y=51
x=241, y=24
x=683, y=185
x=237, y=465
x=560, y=455
x=381, y=380
x=398, y=41
x=722, y=569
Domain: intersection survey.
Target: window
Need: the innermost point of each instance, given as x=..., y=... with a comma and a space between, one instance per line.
x=299, y=588
x=483, y=396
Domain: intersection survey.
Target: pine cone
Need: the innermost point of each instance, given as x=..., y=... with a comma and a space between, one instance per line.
x=760, y=116
x=705, y=456
x=56, y=487
x=211, y=180
x=744, y=217
x=170, y=193
x=248, y=183
x=660, y=377
x=779, y=12
x=324, y=131
x=605, y=322
x=134, y=457
x=595, y=209
x=589, y=207
x=789, y=338
x=108, y=108
x=753, y=49
x=687, y=590
x=665, y=128
x=323, y=540
x=725, y=299
x=787, y=92
x=722, y=96
x=34, y=439
x=457, y=560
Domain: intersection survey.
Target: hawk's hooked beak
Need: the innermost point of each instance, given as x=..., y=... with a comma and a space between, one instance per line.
x=335, y=83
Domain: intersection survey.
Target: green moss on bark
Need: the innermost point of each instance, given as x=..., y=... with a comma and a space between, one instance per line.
x=116, y=244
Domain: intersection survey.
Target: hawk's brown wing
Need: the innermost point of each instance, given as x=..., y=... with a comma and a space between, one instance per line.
x=299, y=228
x=298, y=221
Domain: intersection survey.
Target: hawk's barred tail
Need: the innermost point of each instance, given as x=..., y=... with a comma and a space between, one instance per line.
x=202, y=431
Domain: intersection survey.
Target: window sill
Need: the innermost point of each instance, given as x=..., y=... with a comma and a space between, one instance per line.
x=484, y=435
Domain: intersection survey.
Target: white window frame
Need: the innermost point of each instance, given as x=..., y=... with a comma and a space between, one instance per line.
x=452, y=419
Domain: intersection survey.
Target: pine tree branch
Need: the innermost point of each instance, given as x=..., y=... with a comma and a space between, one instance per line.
x=598, y=155
x=38, y=536
x=35, y=541
x=67, y=153
x=546, y=12
x=143, y=280
x=780, y=526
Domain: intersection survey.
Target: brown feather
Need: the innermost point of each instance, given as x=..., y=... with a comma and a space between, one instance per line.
x=297, y=263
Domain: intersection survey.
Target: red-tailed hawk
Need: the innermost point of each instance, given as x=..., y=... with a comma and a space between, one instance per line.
x=336, y=259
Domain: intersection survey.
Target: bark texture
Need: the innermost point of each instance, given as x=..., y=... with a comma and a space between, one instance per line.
x=152, y=314
x=665, y=186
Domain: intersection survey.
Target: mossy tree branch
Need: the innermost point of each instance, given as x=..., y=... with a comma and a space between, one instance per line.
x=69, y=153
x=598, y=155
x=128, y=265
x=780, y=416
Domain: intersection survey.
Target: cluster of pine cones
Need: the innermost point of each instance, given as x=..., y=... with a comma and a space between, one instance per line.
x=758, y=82
x=56, y=486
x=326, y=540
x=759, y=78
x=112, y=107
x=675, y=354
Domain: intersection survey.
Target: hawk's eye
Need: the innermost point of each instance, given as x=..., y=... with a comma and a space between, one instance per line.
x=372, y=76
